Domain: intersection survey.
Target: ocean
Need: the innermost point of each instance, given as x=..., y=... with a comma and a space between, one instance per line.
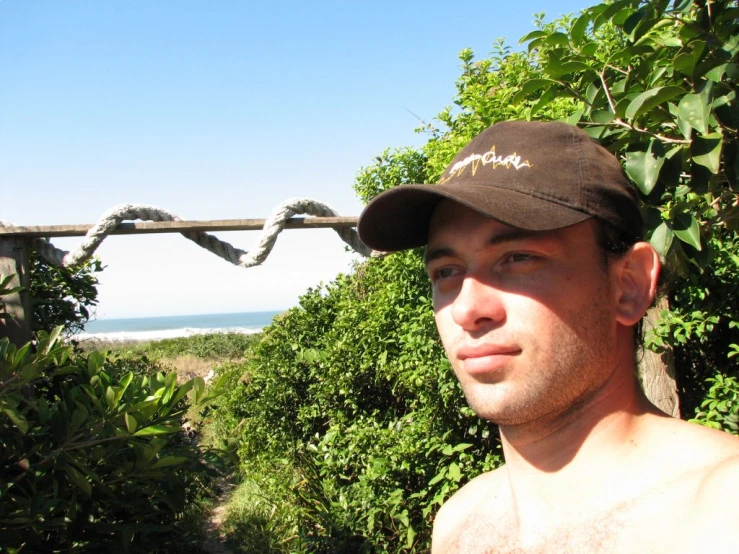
x=154, y=328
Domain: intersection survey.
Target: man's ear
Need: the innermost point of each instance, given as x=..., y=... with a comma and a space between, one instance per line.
x=637, y=273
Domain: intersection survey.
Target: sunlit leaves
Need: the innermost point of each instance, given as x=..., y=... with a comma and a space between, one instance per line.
x=686, y=228
x=695, y=109
x=643, y=167
x=661, y=239
x=706, y=151
x=650, y=99
x=86, y=438
x=131, y=423
x=686, y=62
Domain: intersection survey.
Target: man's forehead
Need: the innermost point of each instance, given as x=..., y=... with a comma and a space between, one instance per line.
x=452, y=221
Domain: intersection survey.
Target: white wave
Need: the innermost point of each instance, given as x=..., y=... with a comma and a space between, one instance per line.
x=122, y=336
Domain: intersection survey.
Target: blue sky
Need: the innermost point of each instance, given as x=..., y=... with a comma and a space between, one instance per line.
x=220, y=110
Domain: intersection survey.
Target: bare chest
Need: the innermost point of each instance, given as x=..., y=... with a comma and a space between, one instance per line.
x=645, y=526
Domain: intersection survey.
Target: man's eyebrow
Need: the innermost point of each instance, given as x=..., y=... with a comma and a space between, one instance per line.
x=500, y=237
x=512, y=234
x=432, y=254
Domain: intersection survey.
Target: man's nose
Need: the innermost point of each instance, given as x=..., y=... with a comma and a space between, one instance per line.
x=478, y=304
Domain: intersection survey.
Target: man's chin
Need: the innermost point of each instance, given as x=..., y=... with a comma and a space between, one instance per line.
x=500, y=405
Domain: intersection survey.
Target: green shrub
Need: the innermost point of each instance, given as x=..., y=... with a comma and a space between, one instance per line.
x=720, y=408
x=62, y=296
x=209, y=346
x=353, y=392
x=261, y=516
x=91, y=454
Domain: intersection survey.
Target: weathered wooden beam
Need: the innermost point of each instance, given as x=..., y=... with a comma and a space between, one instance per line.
x=656, y=372
x=144, y=227
x=14, y=261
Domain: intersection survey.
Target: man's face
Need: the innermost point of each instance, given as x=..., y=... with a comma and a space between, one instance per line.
x=527, y=319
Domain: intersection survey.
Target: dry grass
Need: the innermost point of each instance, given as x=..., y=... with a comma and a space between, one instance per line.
x=188, y=366
x=107, y=344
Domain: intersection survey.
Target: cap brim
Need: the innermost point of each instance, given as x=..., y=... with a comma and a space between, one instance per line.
x=398, y=219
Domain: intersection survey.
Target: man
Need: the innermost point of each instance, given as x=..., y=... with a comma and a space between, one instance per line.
x=540, y=280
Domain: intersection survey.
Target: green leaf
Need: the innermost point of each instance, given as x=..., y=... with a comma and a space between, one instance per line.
x=52, y=339
x=197, y=390
x=410, y=537
x=95, y=361
x=555, y=68
x=122, y=386
x=544, y=99
x=589, y=49
x=620, y=18
x=157, y=430
x=557, y=39
x=602, y=116
x=533, y=85
x=686, y=228
x=732, y=45
x=438, y=477
x=694, y=110
x=650, y=99
x=706, y=151
x=682, y=5
x=632, y=22
x=131, y=423
x=79, y=480
x=532, y=35
x=661, y=239
x=168, y=461
x=687, y=61
x=575, y=117
x=110, y=397
x=182, y=391
x=17, y=419
x=79, y=416
x=610, y=11
x=21, y=354
x=454, y=473
x=579, y=28
x=643, y=167
x=717, y=73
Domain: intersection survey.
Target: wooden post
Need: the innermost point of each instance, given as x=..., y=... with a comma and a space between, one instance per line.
x=657, y=371
x=14, y=261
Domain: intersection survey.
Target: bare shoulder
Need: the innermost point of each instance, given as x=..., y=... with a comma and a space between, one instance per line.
x=719, y=487
x=482, y=489
x=705, y=466
x=711, y=522
x=689, y=445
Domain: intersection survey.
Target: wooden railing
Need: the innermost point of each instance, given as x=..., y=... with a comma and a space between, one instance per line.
x=15, y=244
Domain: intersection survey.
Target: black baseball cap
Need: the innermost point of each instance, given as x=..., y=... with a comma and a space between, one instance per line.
x=532, y=175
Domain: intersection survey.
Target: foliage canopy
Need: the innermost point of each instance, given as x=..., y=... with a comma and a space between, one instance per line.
x=350, y=393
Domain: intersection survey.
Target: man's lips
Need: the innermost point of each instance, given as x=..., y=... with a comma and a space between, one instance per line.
x=486, y=358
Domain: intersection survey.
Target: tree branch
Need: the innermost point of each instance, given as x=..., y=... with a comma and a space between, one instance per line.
x=611, y=103
x=667, y=140
x=621, y=123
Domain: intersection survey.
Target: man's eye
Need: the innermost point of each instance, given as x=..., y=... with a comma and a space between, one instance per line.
x=516, y=257
x=444, y=273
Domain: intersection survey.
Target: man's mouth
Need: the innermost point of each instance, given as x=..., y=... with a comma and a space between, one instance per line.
x=486, y=358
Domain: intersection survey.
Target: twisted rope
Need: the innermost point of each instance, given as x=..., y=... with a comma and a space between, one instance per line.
x=127, y=212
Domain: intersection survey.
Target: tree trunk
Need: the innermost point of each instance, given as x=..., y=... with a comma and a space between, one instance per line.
x=656, y=372
x=14, y=261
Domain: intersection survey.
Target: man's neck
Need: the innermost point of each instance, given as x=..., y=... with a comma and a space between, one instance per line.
x=577, y=455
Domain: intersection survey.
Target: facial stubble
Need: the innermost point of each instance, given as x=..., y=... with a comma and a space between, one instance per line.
x=552, y=377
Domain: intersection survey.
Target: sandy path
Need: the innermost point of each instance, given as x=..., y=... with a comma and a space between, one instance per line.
x=215, y=541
